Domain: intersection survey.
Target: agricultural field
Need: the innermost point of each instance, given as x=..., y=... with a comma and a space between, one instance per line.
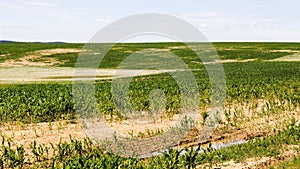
x=41, y=129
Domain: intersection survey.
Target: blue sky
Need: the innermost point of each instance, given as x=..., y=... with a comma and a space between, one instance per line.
x=218, y=20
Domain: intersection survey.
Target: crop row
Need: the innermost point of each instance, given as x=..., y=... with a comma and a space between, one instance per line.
x=259, y=51
x=48, y=102
x=17, y=50
x=85, y=154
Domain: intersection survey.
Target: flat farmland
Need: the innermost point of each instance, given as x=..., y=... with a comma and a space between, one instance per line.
x=41, y=129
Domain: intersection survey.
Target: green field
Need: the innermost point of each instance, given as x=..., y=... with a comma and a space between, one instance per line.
x=262, y=105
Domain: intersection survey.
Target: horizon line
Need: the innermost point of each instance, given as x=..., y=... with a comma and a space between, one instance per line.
x=212, y=41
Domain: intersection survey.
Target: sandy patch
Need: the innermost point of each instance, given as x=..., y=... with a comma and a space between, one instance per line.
x=35, y=58
x=43, y=133
x=235, y=48
x=290, y=58
x=226, y=61
x=61, y=131
x=23, y=74
x=57, y=51
x=240, y=61
x=132, y=128
x=245, y=121
x=55, y=132
x=154, y=50
x=4, y=55
x=249, y=125
x=294, y=57
x=178, y=47
x=286, y=50
x=257, y=116
x=226, y=49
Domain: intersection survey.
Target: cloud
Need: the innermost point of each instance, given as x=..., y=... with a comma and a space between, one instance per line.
x=222, y=21
x=41, y=4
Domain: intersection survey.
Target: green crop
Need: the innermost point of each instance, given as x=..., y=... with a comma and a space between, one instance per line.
x=15, y=50
x=86, y=154
x=35, y=102
x=265, y=88
x=246, y=82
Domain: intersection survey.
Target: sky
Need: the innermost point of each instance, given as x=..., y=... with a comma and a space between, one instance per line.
x=218, y=20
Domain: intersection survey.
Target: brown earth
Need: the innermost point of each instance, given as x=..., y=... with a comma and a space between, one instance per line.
x=250, y=124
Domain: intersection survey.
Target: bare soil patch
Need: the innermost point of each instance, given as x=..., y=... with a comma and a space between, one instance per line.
x=4, y=55
x=250, y=125
x=238, y=61
x=27, y=74
x=134, y=128
x=179, y=47
x=42, y=133
x=293, y=57
x=34, y=58
x=285, y=50
x=290, y=58
x=245, y=121
x=226, y=61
